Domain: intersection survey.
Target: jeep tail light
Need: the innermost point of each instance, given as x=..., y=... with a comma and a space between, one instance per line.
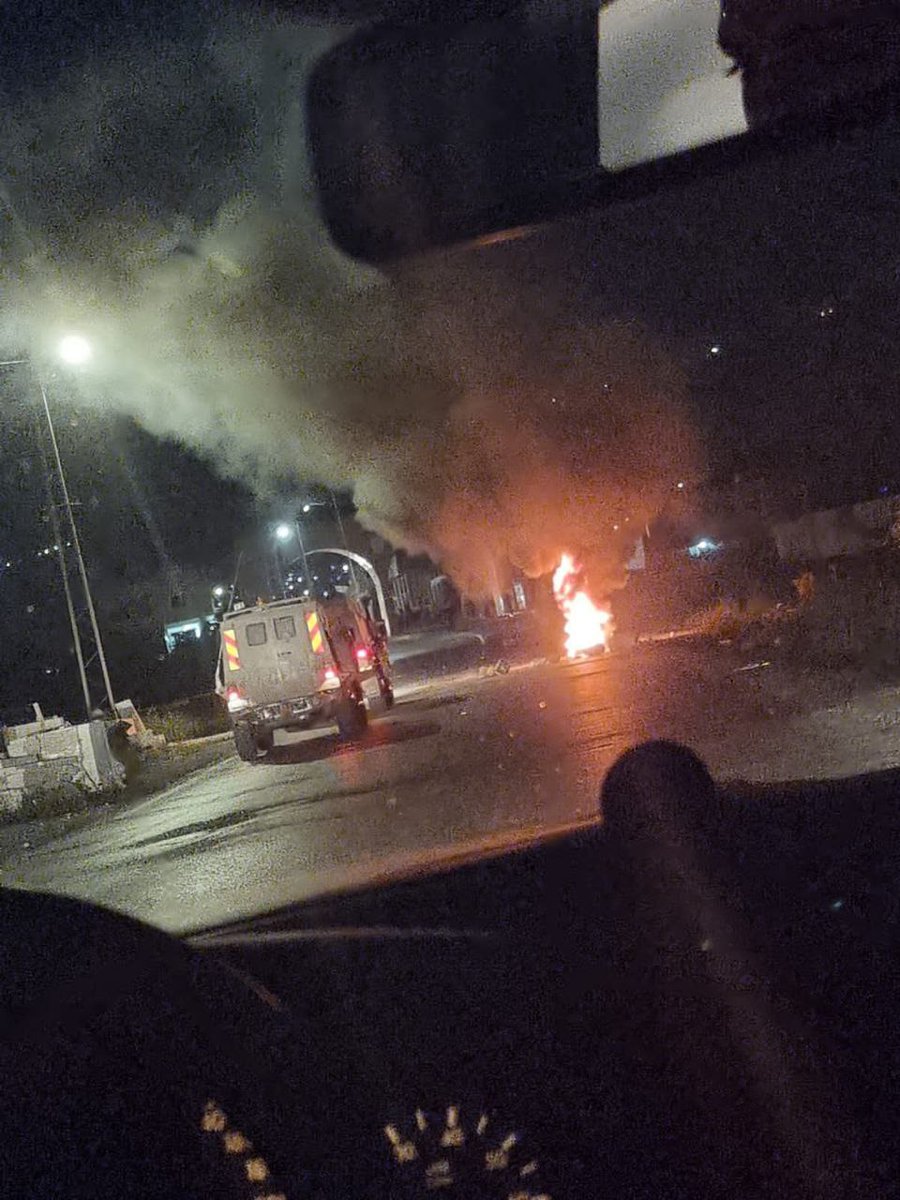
x=235, y=699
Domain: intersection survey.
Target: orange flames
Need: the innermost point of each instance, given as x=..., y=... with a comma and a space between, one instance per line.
x=587, y=626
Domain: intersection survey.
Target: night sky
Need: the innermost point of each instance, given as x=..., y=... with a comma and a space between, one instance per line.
x=133, y=472
x=777, y=290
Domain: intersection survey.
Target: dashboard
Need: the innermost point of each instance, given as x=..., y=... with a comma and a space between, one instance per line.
x=586, y=1017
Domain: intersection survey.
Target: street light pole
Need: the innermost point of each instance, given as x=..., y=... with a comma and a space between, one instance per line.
x=79, y=558
x=75, y=349
x=302, y=546
x=64, y=573
x=340, y=524
x=343, y=533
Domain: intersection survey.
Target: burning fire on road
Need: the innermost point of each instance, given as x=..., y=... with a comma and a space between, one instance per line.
x=587, y=626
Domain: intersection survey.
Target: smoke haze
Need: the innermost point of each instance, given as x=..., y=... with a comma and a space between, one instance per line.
x=475, y=414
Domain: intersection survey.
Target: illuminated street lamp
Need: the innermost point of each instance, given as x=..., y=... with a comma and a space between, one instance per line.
x=75, y=350
x=284, y=531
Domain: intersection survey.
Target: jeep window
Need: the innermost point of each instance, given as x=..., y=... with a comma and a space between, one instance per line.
x=285, y=628
x=256, y=634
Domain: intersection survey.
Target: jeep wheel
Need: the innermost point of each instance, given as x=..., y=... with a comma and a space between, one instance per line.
x=245, y=743
x=352, y=718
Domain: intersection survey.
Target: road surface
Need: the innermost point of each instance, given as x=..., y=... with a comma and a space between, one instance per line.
x=432, y=641
x=474, y=755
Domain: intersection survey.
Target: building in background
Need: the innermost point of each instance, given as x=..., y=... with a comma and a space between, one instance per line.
x=169, y=609
x=409, y=585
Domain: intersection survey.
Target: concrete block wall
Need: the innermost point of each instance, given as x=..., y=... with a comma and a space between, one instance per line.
x=52, y=743
x=51, y=754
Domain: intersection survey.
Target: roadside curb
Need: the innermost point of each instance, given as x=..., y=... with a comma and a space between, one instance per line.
x=209, y=740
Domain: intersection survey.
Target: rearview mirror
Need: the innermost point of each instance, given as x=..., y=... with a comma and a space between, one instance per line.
x=430, y=134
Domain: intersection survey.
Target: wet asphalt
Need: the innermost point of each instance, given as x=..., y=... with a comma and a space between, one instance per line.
x=470, y=756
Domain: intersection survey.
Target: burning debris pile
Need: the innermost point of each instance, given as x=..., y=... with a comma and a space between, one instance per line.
x=588, y=627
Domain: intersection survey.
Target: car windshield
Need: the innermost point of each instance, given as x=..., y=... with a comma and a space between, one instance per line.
x=632, y=475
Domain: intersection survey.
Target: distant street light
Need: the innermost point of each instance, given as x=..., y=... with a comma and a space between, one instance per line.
x=283, y=532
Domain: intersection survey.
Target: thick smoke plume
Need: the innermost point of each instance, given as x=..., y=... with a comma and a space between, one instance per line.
x=168, y=216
